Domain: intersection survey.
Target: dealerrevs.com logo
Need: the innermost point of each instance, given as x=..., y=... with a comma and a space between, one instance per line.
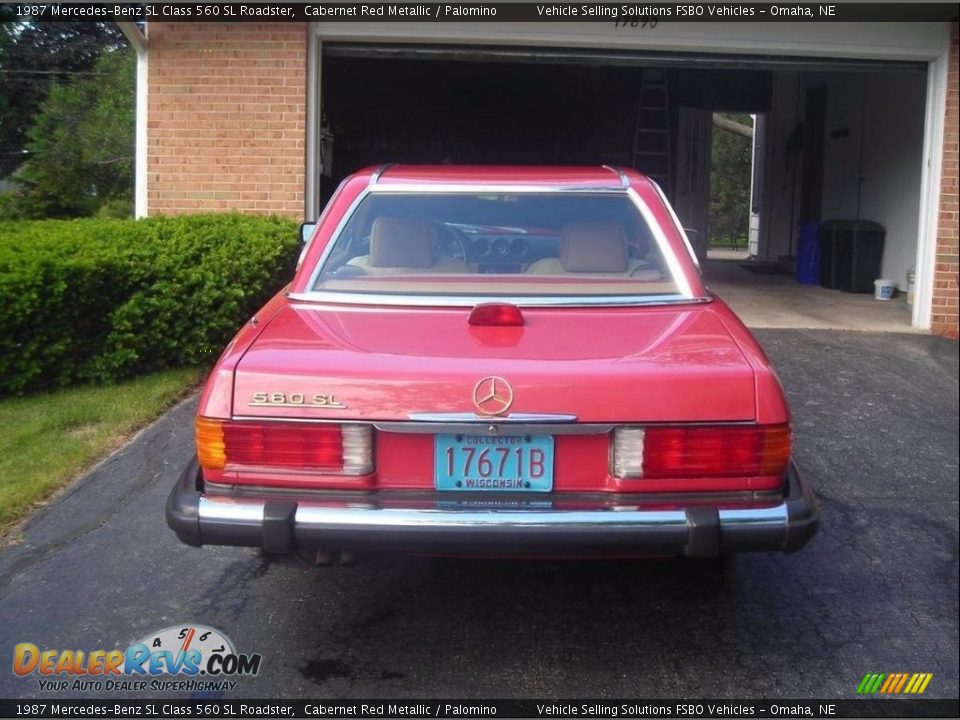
x=178, y=658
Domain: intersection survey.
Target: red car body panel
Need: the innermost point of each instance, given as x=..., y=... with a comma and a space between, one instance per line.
x=627, y=364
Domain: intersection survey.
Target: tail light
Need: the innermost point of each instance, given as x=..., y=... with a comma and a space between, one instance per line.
x=496, y=314
x=701, y=452
x=318, y=447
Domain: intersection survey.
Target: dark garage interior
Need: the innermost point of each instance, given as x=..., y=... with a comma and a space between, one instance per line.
x=401, y=108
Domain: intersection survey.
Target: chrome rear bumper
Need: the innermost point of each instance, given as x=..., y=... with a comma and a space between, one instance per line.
x=281, y=524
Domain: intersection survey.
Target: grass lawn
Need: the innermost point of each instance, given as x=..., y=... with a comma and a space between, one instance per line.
x=49, y=439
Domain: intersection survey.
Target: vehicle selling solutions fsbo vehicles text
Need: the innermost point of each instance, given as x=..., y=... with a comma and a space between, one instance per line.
x=680, y=11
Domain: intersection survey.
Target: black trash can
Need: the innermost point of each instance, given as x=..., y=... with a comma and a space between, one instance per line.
x=851, y=252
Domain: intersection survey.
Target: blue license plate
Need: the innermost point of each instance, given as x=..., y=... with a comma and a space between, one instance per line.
x=493, y=463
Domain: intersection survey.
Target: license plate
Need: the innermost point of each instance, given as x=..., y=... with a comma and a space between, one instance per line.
x=493, y=463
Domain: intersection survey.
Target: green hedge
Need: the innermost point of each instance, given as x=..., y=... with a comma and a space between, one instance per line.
x=98, y=300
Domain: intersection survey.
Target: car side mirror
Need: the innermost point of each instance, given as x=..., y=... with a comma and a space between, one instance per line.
x=306, y=231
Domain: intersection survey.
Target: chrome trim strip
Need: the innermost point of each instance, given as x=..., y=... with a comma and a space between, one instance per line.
x=472, y=423
x=483, y=428
x=375, y=178
x=467, y=417
x=665, y=250
x=530, y=301
x=228, y=509
x=397, y=497
x=753, y=517
x=486, y=188
x=624, y=181
x=335, y=235
x=367, y=514
x=679, y=225
x=443, y=518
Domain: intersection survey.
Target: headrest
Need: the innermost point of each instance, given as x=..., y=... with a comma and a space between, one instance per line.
x=402, y=242
x=593, y=247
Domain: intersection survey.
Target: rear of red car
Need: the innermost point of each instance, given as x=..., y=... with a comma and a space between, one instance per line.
x=463, y=404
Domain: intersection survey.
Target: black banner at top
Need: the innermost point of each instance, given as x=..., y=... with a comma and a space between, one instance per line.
x=486, y=12
x=591, y=709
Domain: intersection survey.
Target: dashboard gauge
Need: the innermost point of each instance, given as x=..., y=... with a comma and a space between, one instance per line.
x=481, y=247
x=518, y=248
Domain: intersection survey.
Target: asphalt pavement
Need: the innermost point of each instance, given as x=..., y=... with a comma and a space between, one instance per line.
x=876, y=433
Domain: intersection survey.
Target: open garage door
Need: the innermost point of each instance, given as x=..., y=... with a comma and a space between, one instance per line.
x=466, y=104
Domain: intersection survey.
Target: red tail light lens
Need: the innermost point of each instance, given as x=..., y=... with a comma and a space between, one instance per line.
x=701, y=452
x=288, y=445
x=320, y=447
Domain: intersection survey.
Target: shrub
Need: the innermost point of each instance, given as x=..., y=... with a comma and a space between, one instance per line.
x=98, y=300
x=117, y=208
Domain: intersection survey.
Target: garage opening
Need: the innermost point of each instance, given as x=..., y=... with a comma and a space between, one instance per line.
x=835, y=140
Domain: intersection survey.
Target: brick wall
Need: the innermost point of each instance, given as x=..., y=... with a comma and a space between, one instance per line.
x=944, y=318
x=226, y=118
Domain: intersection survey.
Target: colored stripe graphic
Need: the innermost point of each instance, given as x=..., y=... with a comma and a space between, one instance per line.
x=890, y=682
x=874, y=683
x=894, y=683
x=922, y=683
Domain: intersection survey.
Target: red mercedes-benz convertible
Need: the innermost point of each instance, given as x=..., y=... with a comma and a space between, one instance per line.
x=495, y=361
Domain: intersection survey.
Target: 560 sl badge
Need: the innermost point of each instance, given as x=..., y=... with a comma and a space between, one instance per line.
x=279, y=399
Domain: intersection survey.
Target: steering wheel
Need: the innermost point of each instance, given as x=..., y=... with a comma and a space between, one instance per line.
x=454, y=245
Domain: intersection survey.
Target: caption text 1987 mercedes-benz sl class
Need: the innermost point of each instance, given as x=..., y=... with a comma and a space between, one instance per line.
x=495, y=361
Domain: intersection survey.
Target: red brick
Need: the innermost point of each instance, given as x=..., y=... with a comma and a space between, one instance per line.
x=944, y=319
x=227, y=113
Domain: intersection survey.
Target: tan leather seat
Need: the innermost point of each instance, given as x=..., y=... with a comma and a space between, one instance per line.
x=405, y=246
x=598, y=248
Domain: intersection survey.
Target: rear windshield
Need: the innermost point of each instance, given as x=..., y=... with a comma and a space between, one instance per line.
x=534, y=244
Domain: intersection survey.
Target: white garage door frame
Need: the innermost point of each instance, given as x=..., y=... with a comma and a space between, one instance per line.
x=895, y=42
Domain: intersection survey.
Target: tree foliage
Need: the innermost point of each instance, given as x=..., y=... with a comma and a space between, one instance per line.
x=730, y=183
x=80, y=147
x=32, y=57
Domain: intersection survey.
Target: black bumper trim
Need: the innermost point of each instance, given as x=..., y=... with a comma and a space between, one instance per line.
x=281, y=525
x=183, y=505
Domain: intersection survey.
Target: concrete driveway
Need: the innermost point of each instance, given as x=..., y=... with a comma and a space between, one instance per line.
x=777, y=300
x=876, y=418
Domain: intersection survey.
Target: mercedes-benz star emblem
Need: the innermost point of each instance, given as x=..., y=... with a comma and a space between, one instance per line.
x=492, y=396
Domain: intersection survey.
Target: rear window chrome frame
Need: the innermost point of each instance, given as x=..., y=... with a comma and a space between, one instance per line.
x=683, y=296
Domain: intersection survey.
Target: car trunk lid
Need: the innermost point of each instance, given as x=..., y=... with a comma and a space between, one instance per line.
x=673, y=363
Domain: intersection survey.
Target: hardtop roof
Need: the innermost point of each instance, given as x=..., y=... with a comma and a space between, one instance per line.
x=534, y=175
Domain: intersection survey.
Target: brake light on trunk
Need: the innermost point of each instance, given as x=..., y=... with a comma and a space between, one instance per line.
x=318, y=447
x=496, y=314
x=700, y=451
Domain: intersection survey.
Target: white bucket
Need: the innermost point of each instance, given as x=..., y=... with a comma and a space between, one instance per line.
x=883, y=289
